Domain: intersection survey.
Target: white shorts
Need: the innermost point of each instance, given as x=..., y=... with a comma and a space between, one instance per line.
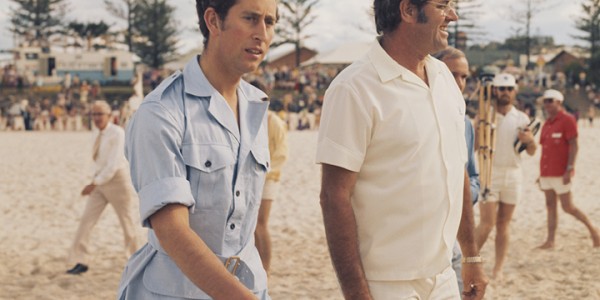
x=440, y=286
x=507, y=184
x=271, y=189
x=556, y=184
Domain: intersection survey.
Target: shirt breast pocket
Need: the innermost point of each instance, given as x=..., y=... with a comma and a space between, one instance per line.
x=262, y=158
x=210, y=169
x=254, y=179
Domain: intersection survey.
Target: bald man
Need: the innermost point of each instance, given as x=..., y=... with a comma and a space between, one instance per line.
x=457, y=63
x=111, y=184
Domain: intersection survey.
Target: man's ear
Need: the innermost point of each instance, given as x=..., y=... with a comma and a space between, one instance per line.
x=212, y=20
x=408, y=12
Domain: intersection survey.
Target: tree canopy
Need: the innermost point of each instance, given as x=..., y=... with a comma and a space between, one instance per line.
x=36, y=21
x=89, y=31
x=126, y=11
x=589, y=24
x=156, y=33
x=295, y=16
x=468, y=12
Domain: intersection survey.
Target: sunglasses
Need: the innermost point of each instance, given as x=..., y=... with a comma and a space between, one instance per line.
x=548, y=100
x=506, y=88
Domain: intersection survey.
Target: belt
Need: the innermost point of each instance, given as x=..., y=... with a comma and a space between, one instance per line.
x=238, y=268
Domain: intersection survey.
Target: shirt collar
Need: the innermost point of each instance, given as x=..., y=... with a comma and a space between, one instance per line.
x=559, y=115
x=387, y=68
x=196, y=83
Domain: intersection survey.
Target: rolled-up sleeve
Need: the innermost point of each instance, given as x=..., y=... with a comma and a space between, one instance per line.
x=158, y=171
x=344, y=133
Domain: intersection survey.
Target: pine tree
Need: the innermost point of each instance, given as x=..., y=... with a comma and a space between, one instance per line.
x=589, y=23
x=155, y=31
x=89, y=31
x=35, y=21
x=125, y=11
x=294, y=18
x=468, y=11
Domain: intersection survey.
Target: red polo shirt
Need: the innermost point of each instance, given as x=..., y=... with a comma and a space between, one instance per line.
x=554, y=139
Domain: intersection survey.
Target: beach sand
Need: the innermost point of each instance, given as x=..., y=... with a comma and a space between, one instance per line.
x=42, y=174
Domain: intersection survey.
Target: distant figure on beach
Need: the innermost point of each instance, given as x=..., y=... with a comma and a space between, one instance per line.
x=58, y=113
x=557, y=166
x=67, y=83
x=394, y=190
x=111, y=184
x=278, y=150
x=199, y=154
x=16, y=114
x=591, y=115
x=507, y=175
x=457, y=63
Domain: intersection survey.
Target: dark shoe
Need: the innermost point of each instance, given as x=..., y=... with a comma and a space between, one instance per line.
x=78, y=269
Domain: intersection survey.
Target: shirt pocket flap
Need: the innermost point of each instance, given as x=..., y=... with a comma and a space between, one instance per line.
x=207, y=158
x=262, y=157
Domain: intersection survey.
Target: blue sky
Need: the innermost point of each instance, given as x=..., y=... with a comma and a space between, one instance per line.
x=339, y=21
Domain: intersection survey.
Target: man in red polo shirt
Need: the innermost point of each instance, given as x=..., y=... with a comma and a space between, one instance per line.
x=559, y=150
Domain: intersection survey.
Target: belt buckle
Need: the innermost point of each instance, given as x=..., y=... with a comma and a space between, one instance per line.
x=235, y=261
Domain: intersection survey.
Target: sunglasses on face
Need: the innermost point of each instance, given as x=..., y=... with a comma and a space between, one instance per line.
x=548, y=100
x=505, y=88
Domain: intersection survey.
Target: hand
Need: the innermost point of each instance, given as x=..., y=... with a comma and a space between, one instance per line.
x=525, y=136
x=475, y=281
x=88, y=189
x=566, y=178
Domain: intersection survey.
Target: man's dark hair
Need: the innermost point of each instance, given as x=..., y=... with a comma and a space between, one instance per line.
x=222, y=7
x=387, y=14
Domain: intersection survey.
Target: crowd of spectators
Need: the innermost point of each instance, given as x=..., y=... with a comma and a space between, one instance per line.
x=65, y=110
x=296, y=94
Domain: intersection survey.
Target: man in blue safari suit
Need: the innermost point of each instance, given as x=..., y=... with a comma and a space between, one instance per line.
x=198, y=150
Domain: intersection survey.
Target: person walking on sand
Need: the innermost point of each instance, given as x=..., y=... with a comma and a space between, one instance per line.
x=394, y=190
x=111, y=185
x=557, y=166
x=497, y=209
x=591, y=114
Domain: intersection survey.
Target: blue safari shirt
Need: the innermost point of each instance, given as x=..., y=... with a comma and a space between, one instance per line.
x=184, y=146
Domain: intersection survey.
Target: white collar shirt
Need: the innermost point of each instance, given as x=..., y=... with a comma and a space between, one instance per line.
x=406, y=141
x=507, y=130
x=111, y=154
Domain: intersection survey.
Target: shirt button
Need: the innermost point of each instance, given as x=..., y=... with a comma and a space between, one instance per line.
x=232, y=226
x=208, y=164
x=237, y=193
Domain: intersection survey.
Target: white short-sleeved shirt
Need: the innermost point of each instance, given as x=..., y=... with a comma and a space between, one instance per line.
x=406, y=141
x=507, y=130
x=111, y=156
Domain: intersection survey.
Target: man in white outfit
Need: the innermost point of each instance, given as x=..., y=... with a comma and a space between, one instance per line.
x=111, y=184
x=507, y=176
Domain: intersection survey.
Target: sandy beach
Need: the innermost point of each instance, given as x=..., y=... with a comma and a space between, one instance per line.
x=42, y=174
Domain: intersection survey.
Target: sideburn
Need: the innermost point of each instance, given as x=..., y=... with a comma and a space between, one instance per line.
x=421, y=17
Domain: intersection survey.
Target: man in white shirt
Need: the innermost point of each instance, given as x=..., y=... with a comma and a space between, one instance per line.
x=507, y=177
x=111, y=184
x=393, y=150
